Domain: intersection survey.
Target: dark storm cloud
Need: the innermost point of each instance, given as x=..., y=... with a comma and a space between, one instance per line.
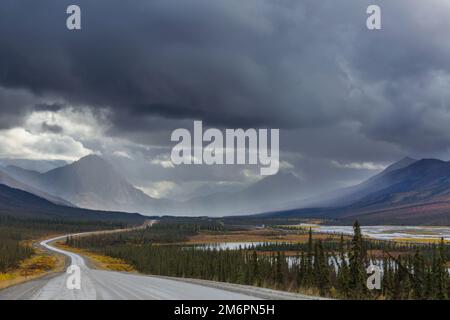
x=227, y=62
x=53, y=128
x=309, y=66
x=14, y=105
x=52, y=107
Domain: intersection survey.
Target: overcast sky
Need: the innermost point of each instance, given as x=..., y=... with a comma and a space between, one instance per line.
x=348, y=101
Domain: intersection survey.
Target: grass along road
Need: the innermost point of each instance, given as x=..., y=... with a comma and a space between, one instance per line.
x=113, y=285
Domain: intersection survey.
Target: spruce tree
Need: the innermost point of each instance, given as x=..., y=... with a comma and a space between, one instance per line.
x=321, y=269
x=440, y=272
x=301, y=272
x=278, y=270
x=255, y=270
x=357, y=268
x=419, y=276
x=343, y=277
x=309, y=277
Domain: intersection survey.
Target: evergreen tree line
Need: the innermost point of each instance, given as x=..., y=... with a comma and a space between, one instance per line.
x=332, y=243
x=163, y=232
x=339, y=272
x=15, y=231
x=29, y=228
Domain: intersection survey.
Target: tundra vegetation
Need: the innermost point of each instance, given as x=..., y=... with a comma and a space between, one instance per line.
x=331, y=267
x=18, y=234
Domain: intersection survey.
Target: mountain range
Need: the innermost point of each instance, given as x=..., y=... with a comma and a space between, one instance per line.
x=346, y=196
x=409, y=191
x=19, y=203
x=90, y=182
x=7, y=180
x=270, y=192
x=93, y=183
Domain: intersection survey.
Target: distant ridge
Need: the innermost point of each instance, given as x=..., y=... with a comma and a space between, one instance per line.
x=19, y=203
x=7, y=180
x=407, y=192
x=281, y=187
x=22, y=174
x=347, y=196
x=93, y=183
x=403, y=163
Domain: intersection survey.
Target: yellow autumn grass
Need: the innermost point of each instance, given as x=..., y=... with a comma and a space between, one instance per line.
x=99, y=261
x=260, y=235
x=35, y=267
x=419, y=240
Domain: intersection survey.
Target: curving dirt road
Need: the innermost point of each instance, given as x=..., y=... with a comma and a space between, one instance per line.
x=109, y=285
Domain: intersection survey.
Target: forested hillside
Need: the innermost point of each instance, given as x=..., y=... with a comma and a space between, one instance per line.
x=329, y=267
x=16, y=234
x=19, y=203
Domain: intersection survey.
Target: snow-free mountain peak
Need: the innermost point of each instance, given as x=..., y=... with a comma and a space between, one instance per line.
x=93, y=183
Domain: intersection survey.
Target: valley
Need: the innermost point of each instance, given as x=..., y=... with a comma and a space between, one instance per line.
x=408, y=192
x=22, y=259
x=99, y=284
x=304, y=253
x=279, y=262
